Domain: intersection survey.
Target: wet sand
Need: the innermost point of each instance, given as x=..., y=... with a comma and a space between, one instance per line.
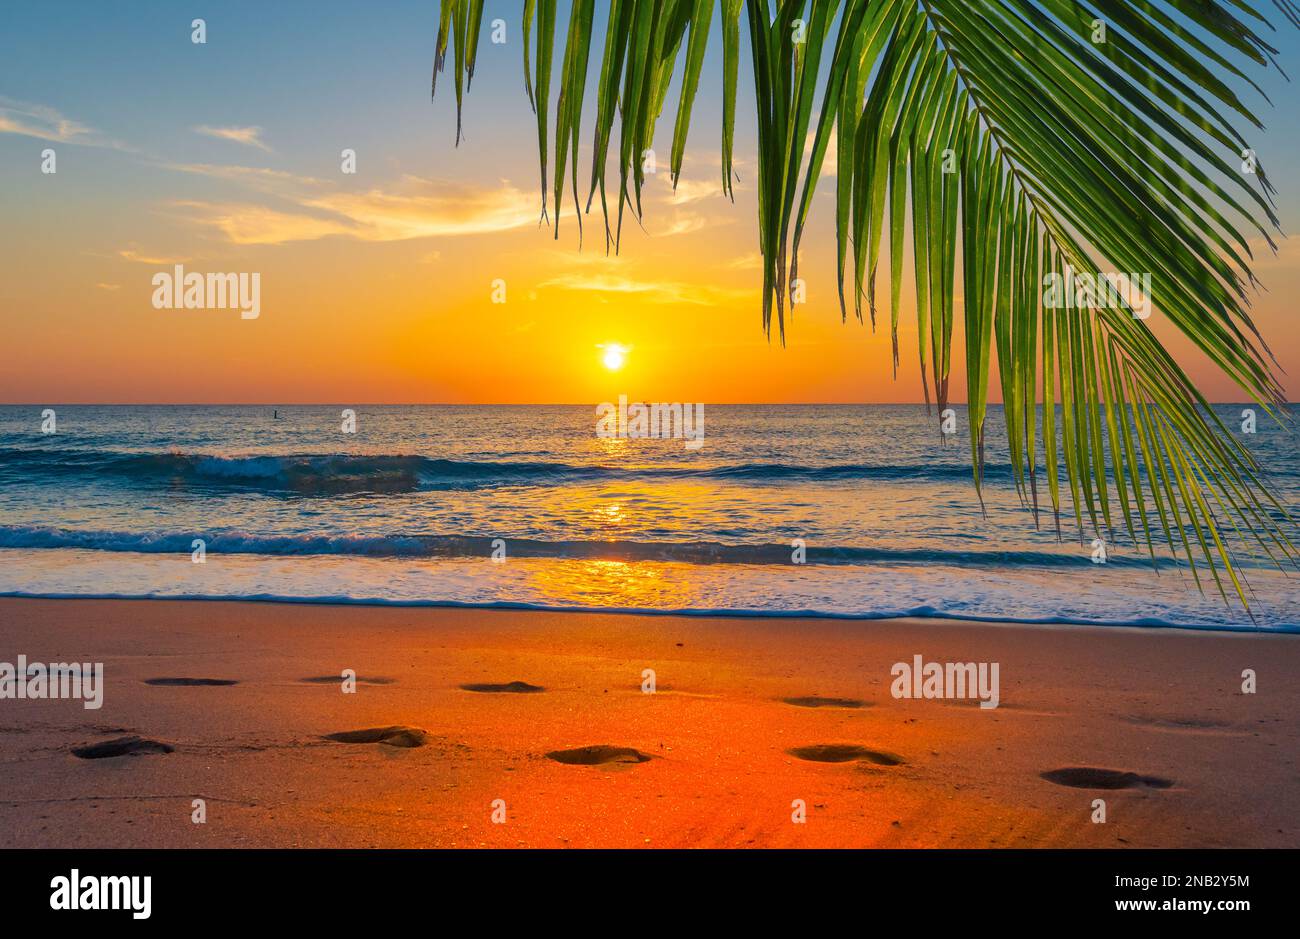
x=540, y=718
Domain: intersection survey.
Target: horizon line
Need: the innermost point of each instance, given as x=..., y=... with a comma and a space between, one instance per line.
x=503, y=404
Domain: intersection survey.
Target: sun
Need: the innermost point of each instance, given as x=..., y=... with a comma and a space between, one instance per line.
x=614, y=356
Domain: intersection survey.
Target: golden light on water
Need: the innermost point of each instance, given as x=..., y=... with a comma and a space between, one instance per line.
x=597, y=582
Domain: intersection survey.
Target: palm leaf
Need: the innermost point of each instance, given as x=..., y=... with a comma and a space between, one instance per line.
x=1020, y=148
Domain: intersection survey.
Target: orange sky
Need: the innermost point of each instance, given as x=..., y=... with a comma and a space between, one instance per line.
x=368, y=318
x=377, y=287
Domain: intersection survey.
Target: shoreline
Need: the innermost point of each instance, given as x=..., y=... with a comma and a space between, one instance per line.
x=748, y=715
x=920, y=614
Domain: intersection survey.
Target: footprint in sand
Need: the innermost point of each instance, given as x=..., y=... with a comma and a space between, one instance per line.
x=814, y=701
x=1003, y=707
x=121, y=746
x=1090, y=777
x=395, y=736
x=845, y=753
x=1188, y=725
x=338, y=680
x=513, y=687
x=597, y=756
x=191, y=682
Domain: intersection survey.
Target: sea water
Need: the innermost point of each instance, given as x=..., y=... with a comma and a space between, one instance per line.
x=846, y=510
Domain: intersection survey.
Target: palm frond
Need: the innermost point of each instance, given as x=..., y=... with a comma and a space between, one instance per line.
x=1028, y=141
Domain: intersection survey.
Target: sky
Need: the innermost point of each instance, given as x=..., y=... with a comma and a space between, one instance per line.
x=378, y=286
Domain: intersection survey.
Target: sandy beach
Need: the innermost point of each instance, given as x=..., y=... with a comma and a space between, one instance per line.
x=703, y=761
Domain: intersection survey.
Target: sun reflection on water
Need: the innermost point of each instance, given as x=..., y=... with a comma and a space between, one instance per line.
x=638, y=584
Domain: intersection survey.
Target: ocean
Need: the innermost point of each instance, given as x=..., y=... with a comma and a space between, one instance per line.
x=828, y=510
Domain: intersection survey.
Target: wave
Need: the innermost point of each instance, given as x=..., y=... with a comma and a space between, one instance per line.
x=902, y=612
x=462, y=546
x=336, y=473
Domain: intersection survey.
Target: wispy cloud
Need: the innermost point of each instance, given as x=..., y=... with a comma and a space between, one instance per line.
x=1288, y=252
x=421, y=208
x=413, y=207
x=694, y=190
x=746, y=262
x=131, y=254
x=109, y=286
x=830, y=162
x=248, y=136
x=692, y=205
x=45, y=123
x=684, y=223
x=751, y=262
x=654, y=291
x=246, y=223
x=254, y=177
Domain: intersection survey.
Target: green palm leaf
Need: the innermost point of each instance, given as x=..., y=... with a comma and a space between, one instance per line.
x=1024, y=138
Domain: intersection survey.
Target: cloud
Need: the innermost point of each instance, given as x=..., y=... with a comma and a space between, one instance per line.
x=751, y=262
x=693, y=190
x=422, y=208
x=653, y=291
x=1287, y=256
x=747, y=262
x=693, y=204
x=830, y=162
x=44, y=123
x=252, y=224
x=248, y=136
x=684, y=223
x=109, y=286
x=412, y=208
x=131, y=254
x=254, y=177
